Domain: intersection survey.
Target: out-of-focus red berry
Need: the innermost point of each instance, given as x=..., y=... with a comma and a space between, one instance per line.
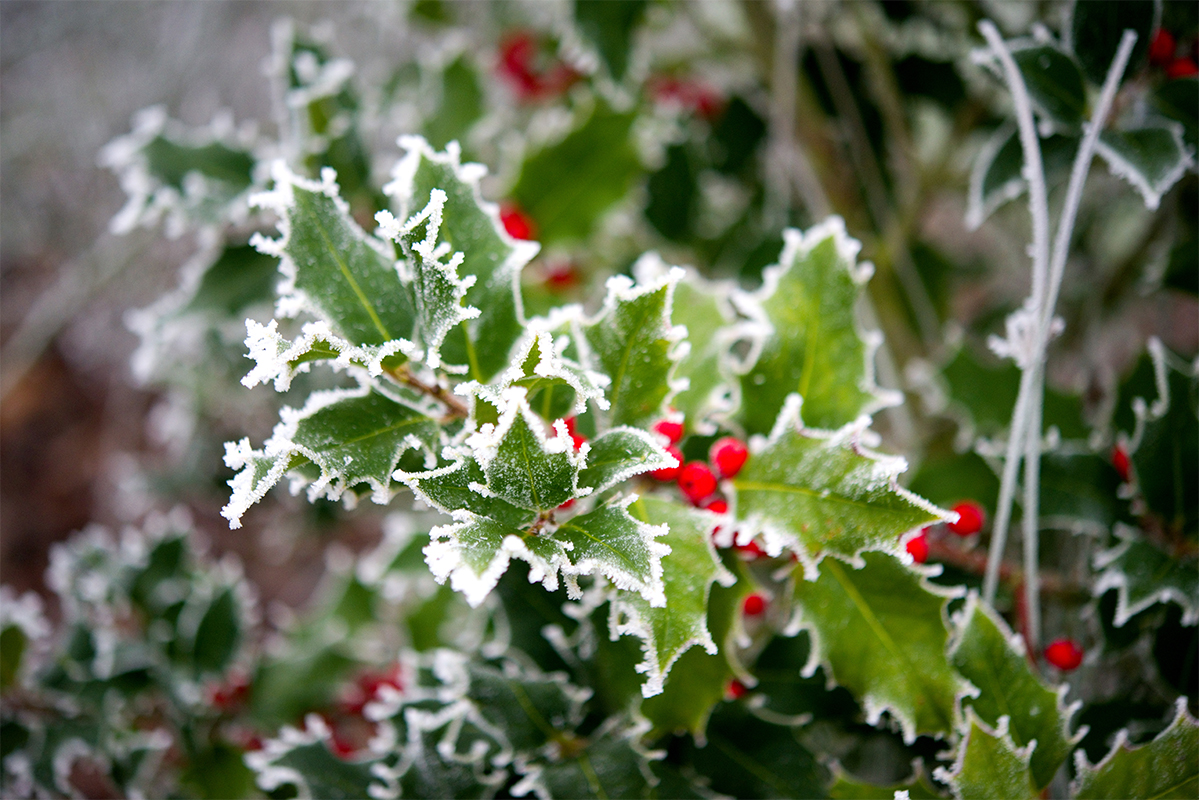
x=754, y=605
x=567, y=505
x=230, y=694
x=718, y=506
x=516, y=222
x=918, y=548
x=735, y=689
x=577, y=438
x=1120, y=462
x=1162, y=48
x=666, y=474
x=750, y=551
x=561, y=277
x=366, y=688
x=970, y=518
x=672, y=430
x=1064, y=654
x=697, y=481
x=1181, y=68
x=693, y=96
x=518, y=53
x=728, y=454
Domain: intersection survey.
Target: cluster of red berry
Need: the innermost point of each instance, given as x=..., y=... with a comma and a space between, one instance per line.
x=518, y=53
x=693, y=96
x=969, y=522
x=1164, y=53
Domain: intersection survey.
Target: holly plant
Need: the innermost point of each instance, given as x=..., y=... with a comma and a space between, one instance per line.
x=684, y=496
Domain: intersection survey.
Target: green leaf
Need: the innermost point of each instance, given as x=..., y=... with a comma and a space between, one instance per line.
x=609, y=28
x=461, y=104
x=704, y=309
x=821, y=493
x=619, y=454
x=530, y=709
x=218, y=634
x=1144, y=575
x=668, y=629
x=1166, y=458
x=472, y=227
x=611, y=765
x=437, y=291
x=996, y=177
x=1151, y=159
x=632, y=342
x=170, y=161
x=567, y=186
x=846, y=787
x=1166, y=767
x=1095, y=33
x=552, y=381
x=1177, y=101
x=12, y=649
x=352, y=436
x=1054, y=82
x=239, y=277
x=332, y=268
x=806, y=337
x=989, y=766
x=303, y=759
x=748, y=757
x=987, y=654
x=879, y=631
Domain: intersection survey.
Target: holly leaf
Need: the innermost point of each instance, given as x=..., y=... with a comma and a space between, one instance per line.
x=804, y=335
x=1165, y=458
x=1177, y=100
x=555, y=384
x=748, y=757
x=632, y=341
x=351, y=437
x=332, y=269
x=609, y=28
x=846, y=787
x=1054, y=82
x=1151, y=159
x=1144, y=575
x=704, y=309
x=668, y=629
x=611, y=764
x=996, y=177
x=1095, y=31
x=303, y=759
x=821, y=493
x=989, y=765
x=990, y=656
x=461, y=104
x=1166, y=767
x=469, y=225
x=619, y=454
x=602, y=162
x=879, y=631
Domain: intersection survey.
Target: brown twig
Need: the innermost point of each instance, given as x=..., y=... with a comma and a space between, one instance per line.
x=403, y=375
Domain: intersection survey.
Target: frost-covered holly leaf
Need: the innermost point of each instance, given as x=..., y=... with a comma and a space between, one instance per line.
x=987, y=654
x=1176, y=100
x=1166, y=767
x=1166, y=458
x=1144, y=575
x=332, y=269
x=996, y=177
x=668, y=629
x=609, y=27
x=879, y=631
x=352, y=437
x=619, y=454
x=1151, y=159
x=1054, y=82
x=567, y=186
x=745, y=756
x=529, y=709
x=610, y=765
x=470, y=225
x=847, y=787
x=704, y=309
x=989, y=765
x=1095, y=30
x=509, y=513
x=303, y=759
x=632, y=341
x=820, y=492
x=557, y=385
x=805, y=336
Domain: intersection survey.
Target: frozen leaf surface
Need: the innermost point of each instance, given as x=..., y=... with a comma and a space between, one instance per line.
x=879, y=632
x=1151, y=159
x=989, y=766
x=1166, y=767
x=1144, y=575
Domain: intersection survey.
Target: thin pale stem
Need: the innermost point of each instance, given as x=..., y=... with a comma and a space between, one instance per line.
x=783, y=108
x=1033, y=456
x=1008, y=485
x=1035, y=175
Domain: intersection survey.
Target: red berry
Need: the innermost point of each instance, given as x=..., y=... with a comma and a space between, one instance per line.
x=718, y=506
x=670, y=473
x=231, y=694
x=728, y=455
x=1162, y=48
x=735, y=689
x=1120, y=462
x=561, y=277
x=697, y=481
x=918, y=548
x=670, y=429
x=970, y=518
x=516, y=222
x=340, y=747
x=750, y=551
x=567, y=505
x=1064, y=654
x=753, y=605
x=1181, y=68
